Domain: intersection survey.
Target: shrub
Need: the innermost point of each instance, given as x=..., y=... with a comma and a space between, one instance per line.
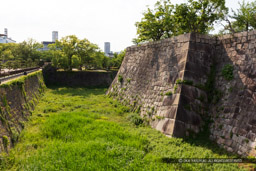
x=120, y=78
x=135, y=119
x=178, y=81
x=227, y=72
x=168, y=93
x=159, y=117
x=6, y=141
x=186, y=82
x=175, y=88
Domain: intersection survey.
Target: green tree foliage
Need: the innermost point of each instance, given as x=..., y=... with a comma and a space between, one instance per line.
x=5, y=55
x=27, y=52
x=167, y=20
x=20, y=55
x=117, y=60
x=68, y=45
x=86, y=51
x=157, y=23
x=71, y=52
x=199, y=15
x=244, y=17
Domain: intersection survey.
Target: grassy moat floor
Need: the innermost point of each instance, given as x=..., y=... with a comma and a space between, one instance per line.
x=83, y=129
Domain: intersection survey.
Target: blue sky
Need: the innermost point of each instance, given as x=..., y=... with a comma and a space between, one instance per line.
x=97, y=20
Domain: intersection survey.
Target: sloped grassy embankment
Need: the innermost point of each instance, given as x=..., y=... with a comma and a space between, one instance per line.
x=82, y=129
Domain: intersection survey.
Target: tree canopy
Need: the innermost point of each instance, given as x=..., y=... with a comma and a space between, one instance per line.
x=71, y=52
x=244, y=18
x=67, y=53
x=167, y=20
x=20, y=55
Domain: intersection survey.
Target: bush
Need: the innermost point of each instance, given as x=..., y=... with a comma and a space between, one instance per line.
x=135, y=119
x=227, y=72
x=120, y=78
x=168, y=93
x=186, y=82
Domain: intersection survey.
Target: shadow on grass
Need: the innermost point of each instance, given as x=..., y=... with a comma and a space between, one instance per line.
x=203, y=140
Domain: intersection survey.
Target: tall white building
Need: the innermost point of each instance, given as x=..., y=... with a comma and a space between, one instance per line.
x=54, y=36
x=4, y=37
x=107, y=48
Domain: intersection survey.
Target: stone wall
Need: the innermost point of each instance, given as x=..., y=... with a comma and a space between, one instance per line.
x=150, y=81
x=79, y=78
x=234, y=115
x=177, y=83
x=17, y=100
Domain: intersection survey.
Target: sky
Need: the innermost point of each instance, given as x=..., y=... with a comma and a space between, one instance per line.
x=98, y=21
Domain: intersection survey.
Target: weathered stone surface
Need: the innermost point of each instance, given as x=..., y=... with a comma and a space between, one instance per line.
x=154, y=68
x=80, y=78
x=16, y=110
x=239, y=103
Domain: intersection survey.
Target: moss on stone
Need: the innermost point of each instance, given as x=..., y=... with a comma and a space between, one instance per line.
x=6, y=141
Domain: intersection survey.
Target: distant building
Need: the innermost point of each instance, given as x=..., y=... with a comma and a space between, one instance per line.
x=54, y=36
x=4, y=37
x=46, y=43
x=107, y=50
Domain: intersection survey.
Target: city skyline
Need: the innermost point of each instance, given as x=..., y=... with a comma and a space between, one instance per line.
x=98, y=21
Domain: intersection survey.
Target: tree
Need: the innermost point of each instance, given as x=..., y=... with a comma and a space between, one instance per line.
x=6, y=55
x=200, y=15
x=85, y=51
x=117, y=60
x=245, y=17
x=167, y=20
x=76, y=62
x=68, y=45
x=157, y=23
x=71, y=52
x=27, y=53
x=55, y=56
x=18, y=55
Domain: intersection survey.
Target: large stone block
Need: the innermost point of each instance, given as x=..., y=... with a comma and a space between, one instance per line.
x=188, y=116
x=179, y=129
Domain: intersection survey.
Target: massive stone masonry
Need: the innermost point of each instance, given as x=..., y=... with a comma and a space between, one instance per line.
x=17, y=99
x=77, y=78
x=177, y=83
x=234, y=116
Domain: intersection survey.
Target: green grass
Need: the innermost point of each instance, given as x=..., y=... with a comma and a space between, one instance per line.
x=83, y=129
